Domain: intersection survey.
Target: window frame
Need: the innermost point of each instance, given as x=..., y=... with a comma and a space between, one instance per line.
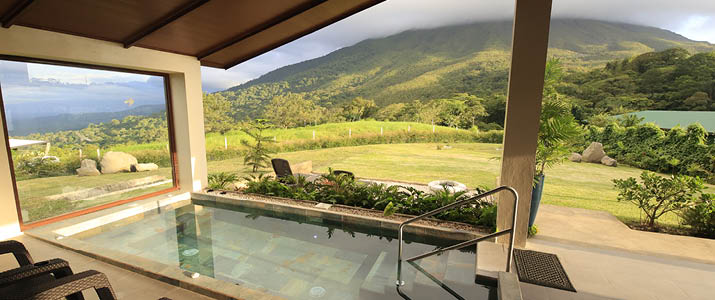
x=171, y=134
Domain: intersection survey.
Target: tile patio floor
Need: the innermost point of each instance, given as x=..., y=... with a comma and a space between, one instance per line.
x=126, y=284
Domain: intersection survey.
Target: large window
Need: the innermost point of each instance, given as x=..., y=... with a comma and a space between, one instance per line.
x=82, y=137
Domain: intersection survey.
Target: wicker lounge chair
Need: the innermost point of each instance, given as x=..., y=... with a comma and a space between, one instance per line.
x=343, y=172
x=48, y=280
x=281, y=167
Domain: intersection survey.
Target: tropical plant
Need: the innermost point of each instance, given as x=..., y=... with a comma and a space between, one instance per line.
x=258, y=154
x=557, y=126
x=556, y=129
x=221, y=180
x=701, y=215
x=345, y=190
x=657, y=195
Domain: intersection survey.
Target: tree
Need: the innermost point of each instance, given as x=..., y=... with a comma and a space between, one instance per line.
x=217, y=114
x=359, y=108
x=473, y=107
x=630, y=120
x=657, y=195
x=291, y=110
x=258, y=154
x=390, y=112
x=698, y=101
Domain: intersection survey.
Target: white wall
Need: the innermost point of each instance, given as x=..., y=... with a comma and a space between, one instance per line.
x=185, y=78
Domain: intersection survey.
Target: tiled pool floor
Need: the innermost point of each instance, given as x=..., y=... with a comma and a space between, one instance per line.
x=295, y=258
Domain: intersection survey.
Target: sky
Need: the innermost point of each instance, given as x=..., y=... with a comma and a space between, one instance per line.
x=694, y=19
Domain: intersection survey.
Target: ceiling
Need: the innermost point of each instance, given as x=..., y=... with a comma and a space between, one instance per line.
x=220, y=33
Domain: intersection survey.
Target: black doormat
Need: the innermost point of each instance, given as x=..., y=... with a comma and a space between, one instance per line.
x=542, y=269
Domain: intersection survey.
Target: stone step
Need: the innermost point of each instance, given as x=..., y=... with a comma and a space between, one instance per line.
x=379, y=277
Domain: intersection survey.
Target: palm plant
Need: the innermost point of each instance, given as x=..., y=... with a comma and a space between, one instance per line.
x=556, y=129
x=221, y=180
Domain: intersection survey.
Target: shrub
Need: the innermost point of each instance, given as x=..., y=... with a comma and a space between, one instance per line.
x=701, y=216
x=657, y=195
x=345, y=190
x=678, y=151
x=221, y=180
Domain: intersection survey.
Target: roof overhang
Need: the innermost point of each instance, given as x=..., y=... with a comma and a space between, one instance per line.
x=16, y=143
x=220, y=33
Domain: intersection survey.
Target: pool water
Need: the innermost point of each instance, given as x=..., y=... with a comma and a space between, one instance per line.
x=294, y=257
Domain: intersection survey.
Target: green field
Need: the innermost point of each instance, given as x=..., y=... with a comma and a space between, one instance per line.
x=329, y=130
x=571, y=184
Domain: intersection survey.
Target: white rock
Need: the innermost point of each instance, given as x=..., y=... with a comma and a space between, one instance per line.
x=114, y=162
x=594, y=153
x=575, y=157
x=607, y=161
x=144, y=167
x=88, y=167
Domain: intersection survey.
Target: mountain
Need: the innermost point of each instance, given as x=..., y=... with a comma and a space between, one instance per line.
x=433, y=63
x=21, y=127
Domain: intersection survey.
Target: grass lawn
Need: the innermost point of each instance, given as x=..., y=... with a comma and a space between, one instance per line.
x=571, y=184
x=32, y=192
x=329, y=130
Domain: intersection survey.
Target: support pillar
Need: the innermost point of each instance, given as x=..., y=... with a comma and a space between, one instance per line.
x=523, y=108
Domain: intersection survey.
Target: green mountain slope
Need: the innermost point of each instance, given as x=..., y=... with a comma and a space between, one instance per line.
x=77, y=121
x=433, y=63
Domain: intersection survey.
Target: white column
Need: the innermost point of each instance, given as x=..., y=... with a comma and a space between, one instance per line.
x=523, y=107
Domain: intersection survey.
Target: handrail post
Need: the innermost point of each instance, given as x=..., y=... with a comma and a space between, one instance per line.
x=458, y=204
x=513, y=232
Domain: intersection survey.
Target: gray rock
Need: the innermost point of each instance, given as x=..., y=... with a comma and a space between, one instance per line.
x=114, y=162
x=594, y=153
x=88, y=167
x=144, y=167
x=575, y=157
x=607, y=161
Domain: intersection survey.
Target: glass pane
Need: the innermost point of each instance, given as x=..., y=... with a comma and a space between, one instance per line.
x=83, y=137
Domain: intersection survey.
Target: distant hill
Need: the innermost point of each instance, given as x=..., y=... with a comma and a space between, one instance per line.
x=21, y=127
x=433, y=63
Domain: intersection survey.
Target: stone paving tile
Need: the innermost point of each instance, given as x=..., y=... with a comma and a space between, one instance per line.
x=126, y=284
x=625, y=275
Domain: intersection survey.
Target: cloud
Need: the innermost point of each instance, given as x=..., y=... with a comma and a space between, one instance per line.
x=694, y=19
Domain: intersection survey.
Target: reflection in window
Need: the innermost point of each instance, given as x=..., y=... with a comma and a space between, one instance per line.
x=82, y=137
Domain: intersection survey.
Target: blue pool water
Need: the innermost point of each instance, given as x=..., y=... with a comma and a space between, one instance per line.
x=291, y=256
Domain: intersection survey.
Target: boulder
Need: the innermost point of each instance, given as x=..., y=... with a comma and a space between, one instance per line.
x=607, y=161
x=594, y=153
x=114, y=162
x=144, y=167
x=88, y=167
x=575, y=157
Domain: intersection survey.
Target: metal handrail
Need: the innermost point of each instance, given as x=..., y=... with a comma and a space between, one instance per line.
x=462, y=244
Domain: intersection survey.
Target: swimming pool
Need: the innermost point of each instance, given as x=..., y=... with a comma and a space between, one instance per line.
x=288, y=255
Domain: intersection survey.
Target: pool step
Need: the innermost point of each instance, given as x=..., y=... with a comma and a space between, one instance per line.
x=436, y=266
x=381, y=276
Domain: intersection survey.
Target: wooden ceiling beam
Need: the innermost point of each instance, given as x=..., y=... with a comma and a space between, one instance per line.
x=163, y=21
x=9, y=18
x=260, y=28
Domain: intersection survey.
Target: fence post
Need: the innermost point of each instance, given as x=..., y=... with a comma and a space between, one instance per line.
x=380, y=130
x=98, y=154
x=274, y=138
x=432, y=127
x=313, y=134
x=408, y=128
x=350, y=132
x=225, y=142
x=80, y=154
